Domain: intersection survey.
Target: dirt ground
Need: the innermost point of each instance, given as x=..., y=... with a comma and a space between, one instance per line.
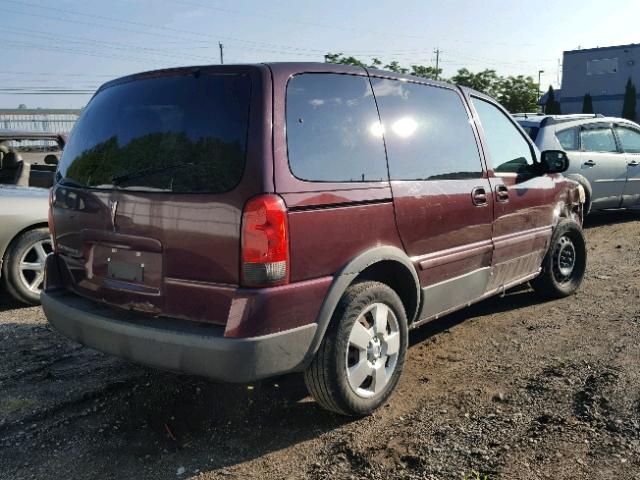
x=512, y=388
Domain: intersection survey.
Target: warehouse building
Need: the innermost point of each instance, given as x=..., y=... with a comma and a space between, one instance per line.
x=601, y=72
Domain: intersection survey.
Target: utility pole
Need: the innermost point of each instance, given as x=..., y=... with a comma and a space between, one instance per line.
x=558, y=74
x=540, y=72
x=221, y=53
x=437, y=52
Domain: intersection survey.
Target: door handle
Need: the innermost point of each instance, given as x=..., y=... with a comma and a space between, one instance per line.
x=479, y=196
x=502, y=194
x=633, y=163
x=590, y=163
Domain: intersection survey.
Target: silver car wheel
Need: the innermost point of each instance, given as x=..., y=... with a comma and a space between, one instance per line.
x=372, y=353
x=31, y=265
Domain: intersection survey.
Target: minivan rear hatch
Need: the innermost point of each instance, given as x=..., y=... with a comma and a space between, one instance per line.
x=151, y=186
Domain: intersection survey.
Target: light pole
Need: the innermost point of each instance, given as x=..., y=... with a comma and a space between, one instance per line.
x=540, y=72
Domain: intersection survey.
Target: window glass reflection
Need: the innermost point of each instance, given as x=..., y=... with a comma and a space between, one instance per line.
x=333, y=130
x=427, y=132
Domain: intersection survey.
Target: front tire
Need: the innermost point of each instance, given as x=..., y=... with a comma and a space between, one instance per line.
x=564, y=264
x=23, y=266
x=360, y=360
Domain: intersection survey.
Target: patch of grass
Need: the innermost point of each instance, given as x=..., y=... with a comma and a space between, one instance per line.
x=11, y=405
x=476, y=475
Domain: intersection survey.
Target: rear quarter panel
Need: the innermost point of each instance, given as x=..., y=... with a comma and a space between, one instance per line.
x=329, y=223
x=20, y=208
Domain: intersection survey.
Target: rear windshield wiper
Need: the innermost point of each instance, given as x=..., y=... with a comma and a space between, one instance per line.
x=117, y=180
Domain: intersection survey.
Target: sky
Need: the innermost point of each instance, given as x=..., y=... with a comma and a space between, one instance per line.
x=76, y=45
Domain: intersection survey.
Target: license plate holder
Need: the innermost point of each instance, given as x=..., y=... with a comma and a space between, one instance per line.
x=125, y=271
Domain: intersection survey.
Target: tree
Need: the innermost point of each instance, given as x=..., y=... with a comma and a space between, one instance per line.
x=629, y=105
x=587, y=104
x=426, y=71
x=519, y=94
x=486, y=81
x=340, y=58
x=395, y=67
x=22, y=106
x=552, y=106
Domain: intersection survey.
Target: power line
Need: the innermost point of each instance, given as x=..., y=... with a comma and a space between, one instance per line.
x=289, y=20
x=54, y=48
x=103, y=44
x=282, y=18
x=58, y=74
x=44, y=93
x=163, y=33
x=278, y=48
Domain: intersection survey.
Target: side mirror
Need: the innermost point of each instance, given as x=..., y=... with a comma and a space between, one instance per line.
x=554, y=161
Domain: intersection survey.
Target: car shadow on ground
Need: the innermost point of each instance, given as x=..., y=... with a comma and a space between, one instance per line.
x=162, y=416
x=7, y=302
x=603, y=218
x=142, y=416
x=516, y=298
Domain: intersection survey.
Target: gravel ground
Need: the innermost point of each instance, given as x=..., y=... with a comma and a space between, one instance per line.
x=511, y=388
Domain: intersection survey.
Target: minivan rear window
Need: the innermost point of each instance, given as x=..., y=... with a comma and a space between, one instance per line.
x=333, y=130
x=180, y=133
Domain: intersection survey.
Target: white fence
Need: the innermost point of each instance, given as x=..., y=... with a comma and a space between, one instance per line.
x=54, y=121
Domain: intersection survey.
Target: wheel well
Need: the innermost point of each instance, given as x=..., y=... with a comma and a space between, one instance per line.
x=17, y=235
x=396, y=276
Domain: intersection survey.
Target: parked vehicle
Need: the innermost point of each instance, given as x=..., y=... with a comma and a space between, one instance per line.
x=29, y=159
x=24, y=241
x=604, y=154
x=241, y=222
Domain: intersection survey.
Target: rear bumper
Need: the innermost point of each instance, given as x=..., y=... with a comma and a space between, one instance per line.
x=177, y=345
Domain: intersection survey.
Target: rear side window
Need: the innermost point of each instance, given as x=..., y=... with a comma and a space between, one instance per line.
x=509, y=150
x=427, y=132
x=630, y=139
x=598, y=140
x=568, y=139
x=180, y=134
x=333, y=130
x=531, y=131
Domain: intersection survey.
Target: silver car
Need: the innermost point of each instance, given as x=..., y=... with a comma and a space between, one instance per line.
x=24, y=240
x=604, y=154
x=27, y=161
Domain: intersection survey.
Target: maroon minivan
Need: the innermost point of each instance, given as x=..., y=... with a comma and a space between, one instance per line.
x=241, y=222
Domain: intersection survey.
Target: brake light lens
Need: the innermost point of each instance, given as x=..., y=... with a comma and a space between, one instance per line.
x=52, y=227
x=265, y=242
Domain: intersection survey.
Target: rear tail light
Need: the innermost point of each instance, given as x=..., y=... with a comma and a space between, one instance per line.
x=52, y=227
x=265, y=242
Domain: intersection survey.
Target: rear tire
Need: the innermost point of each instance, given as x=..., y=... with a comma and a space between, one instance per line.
x=23, y=266
x=360, y=360
x=564, y=264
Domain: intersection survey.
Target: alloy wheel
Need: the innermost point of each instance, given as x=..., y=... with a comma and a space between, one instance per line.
x=32, y=263
x=372, y=354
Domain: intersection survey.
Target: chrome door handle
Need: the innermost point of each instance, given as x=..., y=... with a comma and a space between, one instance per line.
x=502, y=194
x=590, y=163
x=633, y=163
x=479, y=196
